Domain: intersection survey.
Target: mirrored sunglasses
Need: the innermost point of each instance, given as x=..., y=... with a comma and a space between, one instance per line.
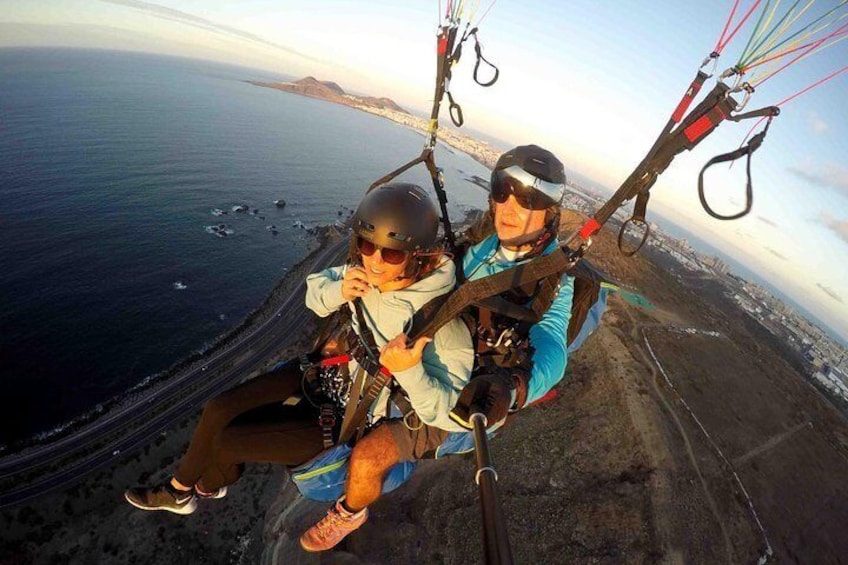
x=530, y=192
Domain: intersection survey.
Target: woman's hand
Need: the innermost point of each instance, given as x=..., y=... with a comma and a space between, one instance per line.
x=396, y=356
x=354, y=284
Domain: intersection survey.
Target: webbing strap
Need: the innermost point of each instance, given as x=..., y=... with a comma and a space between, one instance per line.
x=351, y=408
x=482, y=288
x=640, y=208
x=467, y=294
x=479, y=51
x=748, y=150
x=364, y=352
x=354, y=417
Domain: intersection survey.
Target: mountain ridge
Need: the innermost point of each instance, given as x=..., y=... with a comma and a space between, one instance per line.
x=332, y=92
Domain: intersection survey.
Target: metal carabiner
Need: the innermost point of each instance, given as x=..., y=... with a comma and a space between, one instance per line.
x=729, y=73
x=711, y=57
x=749, y=90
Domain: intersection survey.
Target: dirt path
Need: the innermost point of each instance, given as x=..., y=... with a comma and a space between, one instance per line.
x=771, y=443
x=637, y=328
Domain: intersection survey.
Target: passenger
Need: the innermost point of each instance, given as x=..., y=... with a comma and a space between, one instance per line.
x=399, y=268
x=518, y=362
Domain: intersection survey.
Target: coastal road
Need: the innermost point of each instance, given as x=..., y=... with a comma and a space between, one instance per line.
x=220, y=371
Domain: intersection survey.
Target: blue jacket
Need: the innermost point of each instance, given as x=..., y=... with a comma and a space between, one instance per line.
x=548, y=336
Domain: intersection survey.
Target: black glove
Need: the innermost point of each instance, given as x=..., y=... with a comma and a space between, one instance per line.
x=491, y=395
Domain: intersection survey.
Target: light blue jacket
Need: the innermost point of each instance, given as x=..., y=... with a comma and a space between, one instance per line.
x=434, y=384
x=549, y=336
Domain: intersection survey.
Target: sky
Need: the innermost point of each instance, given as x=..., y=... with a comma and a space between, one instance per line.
x=592, y=81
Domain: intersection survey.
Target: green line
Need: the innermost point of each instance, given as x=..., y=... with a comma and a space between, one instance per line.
x=772, y=30
x=802, y=30
x=319, y=471
x=754, y=33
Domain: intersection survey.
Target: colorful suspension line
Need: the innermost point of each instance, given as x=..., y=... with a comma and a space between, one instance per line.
x=758, y=54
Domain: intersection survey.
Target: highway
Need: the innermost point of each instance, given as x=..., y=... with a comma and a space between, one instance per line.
x=144, y=418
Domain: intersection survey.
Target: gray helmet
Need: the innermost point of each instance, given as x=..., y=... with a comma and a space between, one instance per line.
x=397, y=215
x=535, y=170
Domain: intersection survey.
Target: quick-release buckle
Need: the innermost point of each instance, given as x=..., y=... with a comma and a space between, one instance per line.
x=327, y=420
x=305, y=363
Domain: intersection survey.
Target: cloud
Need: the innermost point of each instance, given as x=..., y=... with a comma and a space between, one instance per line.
x=767, y=221
x=839, y=227
x=830, y=293
x=776, y=254
x=817, y=124
x=831, y=175
x=170, y=14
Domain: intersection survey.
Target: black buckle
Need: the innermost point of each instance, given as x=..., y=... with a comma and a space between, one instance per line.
x=327, y=420
x=305, y=363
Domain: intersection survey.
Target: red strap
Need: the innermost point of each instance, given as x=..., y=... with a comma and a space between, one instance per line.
x=590, y=228
x=442, y=47
x=703, y=125
x=333, y=361
x=550, y=396
x=691, y=93
x=339, y=359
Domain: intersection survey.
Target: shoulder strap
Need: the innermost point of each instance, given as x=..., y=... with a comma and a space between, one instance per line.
x=484, y=288
x=433, y=318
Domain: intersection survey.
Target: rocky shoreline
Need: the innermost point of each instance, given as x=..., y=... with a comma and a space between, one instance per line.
x=284, y=287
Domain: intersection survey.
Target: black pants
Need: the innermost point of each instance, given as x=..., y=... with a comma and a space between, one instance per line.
x=250, y=423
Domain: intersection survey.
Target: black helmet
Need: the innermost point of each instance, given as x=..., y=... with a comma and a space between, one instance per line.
x=397, y=215
x=532, y=172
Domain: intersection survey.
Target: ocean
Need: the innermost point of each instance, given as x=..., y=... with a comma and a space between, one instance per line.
x=111, y=164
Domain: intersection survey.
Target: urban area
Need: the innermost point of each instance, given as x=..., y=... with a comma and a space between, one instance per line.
x=825, y=359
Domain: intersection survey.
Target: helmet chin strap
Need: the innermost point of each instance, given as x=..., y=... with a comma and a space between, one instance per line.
x=532, y=238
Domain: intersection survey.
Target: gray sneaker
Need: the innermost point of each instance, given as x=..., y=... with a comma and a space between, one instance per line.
x=162, y=497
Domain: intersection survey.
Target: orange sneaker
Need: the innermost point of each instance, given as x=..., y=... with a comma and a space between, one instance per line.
x=333, y=528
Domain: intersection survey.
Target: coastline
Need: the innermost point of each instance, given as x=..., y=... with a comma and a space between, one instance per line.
x=480, y=151
x=292, y=276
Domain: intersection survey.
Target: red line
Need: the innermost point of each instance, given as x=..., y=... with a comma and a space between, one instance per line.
x=785, y=100
x=739, y=25
x=726, y=25
x=839, y=31
x=815, y=84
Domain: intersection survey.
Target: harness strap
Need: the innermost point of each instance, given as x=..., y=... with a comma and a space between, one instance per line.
x=640, y=208
x=364, y=339
x=479, y=51
x=455, y=111
x=356, y=412
x=748, y=150
x=467, y=294
x=358, y=380
x=485, y=287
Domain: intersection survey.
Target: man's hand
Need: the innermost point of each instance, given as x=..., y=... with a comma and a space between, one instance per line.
x=354, y=284
x=491, y=395
x=396, y=355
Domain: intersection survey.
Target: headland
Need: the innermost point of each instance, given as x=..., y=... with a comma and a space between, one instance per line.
x=384, y=107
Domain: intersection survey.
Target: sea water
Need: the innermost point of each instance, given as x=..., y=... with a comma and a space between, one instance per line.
x=111, y=164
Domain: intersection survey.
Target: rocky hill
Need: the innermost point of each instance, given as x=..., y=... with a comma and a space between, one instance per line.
x=332, y=92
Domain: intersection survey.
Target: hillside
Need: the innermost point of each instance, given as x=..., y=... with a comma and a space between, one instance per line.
x=332, y=92
x=662, y=446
